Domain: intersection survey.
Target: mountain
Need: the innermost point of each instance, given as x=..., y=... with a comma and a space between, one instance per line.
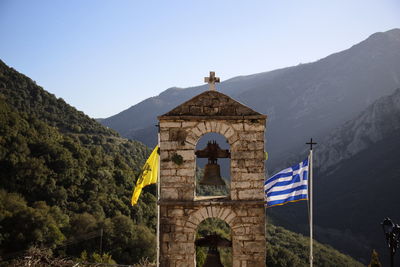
x=356, y=181
x=378, y=122
x=26, y=96
x=308, y=100
x=64, y=179
x=65, y=183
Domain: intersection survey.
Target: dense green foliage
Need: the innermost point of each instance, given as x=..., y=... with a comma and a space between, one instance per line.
x=374, y=259
x=24, y=95
x=285, y=248
x=64, y=177
x=214, y=226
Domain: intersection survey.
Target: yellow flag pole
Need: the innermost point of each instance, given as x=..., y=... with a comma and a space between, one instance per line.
x=158, y=199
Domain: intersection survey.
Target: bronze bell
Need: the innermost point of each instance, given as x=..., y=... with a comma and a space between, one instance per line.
x=212, y=175
x=213, y=259
x=212, y=172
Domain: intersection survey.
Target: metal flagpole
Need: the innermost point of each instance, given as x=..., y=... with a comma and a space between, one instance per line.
x=311, y=143
x=311, y=210
x=158, y=199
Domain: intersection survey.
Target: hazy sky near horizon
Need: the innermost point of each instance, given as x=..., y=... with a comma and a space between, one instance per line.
x=105, y=56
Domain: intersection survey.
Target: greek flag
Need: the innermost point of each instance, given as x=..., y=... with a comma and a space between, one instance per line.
x=288, y=185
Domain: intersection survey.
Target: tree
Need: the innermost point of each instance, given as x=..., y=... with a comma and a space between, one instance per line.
x=374, y=259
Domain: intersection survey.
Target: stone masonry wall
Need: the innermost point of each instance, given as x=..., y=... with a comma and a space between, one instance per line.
x=181, y=213
x=179, y=225
x=179, y=139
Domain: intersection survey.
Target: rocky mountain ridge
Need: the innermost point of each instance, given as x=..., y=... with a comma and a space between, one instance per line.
x=356, y=177
x=378, y=121
x=308, y=100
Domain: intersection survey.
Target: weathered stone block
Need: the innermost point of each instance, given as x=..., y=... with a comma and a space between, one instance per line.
x=236, y=263
x=230, y=218
x=251, y=220
x=245, y=155
x=164, y=136
x=169, y=145
x=259, y=154
x=202, y=128
x=234, y=194
x=208, y=126
x=196, y=132
x=259, y=183
x=170, y=124
x=213, y=125
x=203, y=213
x=237, y=126
x=215, y=211
x=242, y=211
x=251, y=136
x=251, y=194
x=186, y=172
x=180, y=237
x=195, y=110
x=254, y=246
x=218, y=126
x=186, y=194
x=163, y=154
x=229, y=132
x=165, y=237
x=225, y=213
x=209, y=212
x=192, y=140
x=189, y=124
x=254, y=127
x=224, y=128
x=190, y=225
x=177, y=134
x=233, y=139
x=186, y=154
x=252, y=176
x=246, y=237
x=171, y=180
x=175, y=212
x=256, y=212
x=256, y=145
x=253, y=163
x=167, y=172
x=240, y=185
x=169, y=193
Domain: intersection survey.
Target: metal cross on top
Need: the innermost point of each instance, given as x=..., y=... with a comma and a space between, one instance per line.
x=311, y=143
x=211, y=80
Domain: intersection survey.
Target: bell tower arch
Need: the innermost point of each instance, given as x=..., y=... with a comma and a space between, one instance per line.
x=243, y=209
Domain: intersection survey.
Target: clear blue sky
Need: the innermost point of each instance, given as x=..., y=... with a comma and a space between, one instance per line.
x=105, y=56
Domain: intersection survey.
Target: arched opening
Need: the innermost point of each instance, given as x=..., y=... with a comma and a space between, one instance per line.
x=213, y=243
x=213, y=166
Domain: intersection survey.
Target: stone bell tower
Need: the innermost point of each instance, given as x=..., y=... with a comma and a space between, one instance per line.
x=243, y=209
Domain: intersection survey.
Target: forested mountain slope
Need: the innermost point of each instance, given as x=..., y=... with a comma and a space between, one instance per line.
x=64, y=177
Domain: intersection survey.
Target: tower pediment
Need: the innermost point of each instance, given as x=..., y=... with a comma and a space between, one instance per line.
x=212, y=103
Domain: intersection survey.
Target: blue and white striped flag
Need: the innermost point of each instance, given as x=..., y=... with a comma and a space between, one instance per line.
x=288, y=185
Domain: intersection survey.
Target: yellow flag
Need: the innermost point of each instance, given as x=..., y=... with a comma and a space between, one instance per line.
x=148, y=176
